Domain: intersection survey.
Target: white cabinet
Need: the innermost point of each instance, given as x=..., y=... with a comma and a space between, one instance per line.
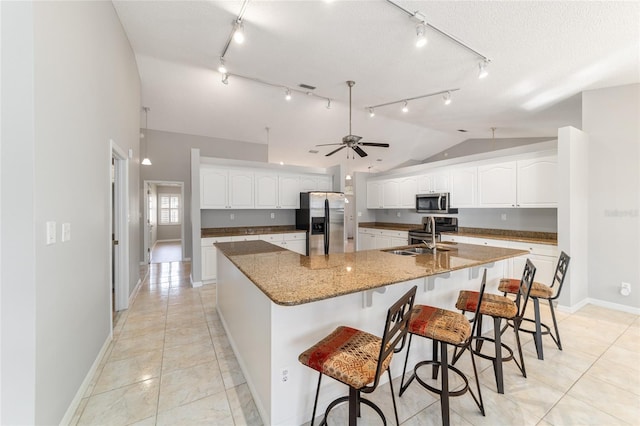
x=371, y=239
x=275, y=191
x=464, y=187
x=208, y=256
x=391, y=193
x=497, y=185
x=374, y=195
x=433, y=182
x=294, y=241
x=408, y=191
x=222, y=188
x=454, y=238
x=366, y=240
x=543, y=256
x=315, y=183
x=538, y=182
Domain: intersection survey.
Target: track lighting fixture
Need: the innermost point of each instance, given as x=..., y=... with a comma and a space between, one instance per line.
x=287, y=94
x=447, y=98
x=421, y=39
x=372, y=113
x=405, y=108
x=238, y=32
x=328, y=103
x=225, y=78
x=221, y=68
x=482, y=68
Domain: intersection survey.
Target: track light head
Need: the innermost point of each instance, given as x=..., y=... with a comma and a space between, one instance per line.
x=372, y=113
x=482, y=68
x=238, y=33
x=421, y=39
x=328, y=103
x=447, y=98
x=225, y=78
x=405, y=108
x=222, y=69
x=287, y=94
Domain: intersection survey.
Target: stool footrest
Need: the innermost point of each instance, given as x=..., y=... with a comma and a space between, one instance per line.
x=460, y=374
x=362, y=400
x=479, y=353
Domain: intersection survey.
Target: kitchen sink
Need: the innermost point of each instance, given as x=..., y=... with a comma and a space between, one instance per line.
x=401, y=252
x=412, y=251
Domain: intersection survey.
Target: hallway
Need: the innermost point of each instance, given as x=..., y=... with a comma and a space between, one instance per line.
x=170, y=363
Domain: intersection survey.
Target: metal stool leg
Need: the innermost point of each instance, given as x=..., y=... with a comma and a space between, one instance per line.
x=537, y=336
x=434, y=367
x=354, y=405
x=393, y=398
x=555, y=325
x=497, y=362
x=444, y=397
x=315, y=403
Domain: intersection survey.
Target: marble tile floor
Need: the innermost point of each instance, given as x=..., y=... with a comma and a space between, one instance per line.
x=170, y=364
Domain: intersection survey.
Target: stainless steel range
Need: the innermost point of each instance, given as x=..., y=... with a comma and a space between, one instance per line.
x=426, y=233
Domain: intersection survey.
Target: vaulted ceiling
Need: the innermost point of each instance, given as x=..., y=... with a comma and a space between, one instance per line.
x=542, y=55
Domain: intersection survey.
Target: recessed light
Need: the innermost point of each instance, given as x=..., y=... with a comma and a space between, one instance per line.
x=307, y=86
x=379, y=159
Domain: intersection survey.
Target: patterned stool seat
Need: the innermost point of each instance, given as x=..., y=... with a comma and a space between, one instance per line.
x=348, y=355
x=510, y=285
x=439, y=324
x=492, y=305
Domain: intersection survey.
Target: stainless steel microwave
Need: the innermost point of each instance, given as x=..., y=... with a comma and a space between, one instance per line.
x=434, y=203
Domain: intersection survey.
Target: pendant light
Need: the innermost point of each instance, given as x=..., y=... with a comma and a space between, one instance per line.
x=145, y=160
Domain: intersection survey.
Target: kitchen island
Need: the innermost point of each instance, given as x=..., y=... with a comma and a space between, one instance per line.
x=275, y=303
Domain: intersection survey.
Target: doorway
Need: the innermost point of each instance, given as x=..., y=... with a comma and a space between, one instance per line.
x=119, y=241
x=163, y=221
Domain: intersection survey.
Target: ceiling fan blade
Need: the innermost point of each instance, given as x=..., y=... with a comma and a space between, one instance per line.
x=360, y=152
x=382, y=145
x=328, y=144
x=336, y=150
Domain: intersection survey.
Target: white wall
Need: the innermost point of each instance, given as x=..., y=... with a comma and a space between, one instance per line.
x=86, y=91
x=611, y=118
x=169, y=232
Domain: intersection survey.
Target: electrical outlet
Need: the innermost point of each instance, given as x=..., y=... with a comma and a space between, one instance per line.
x=503, y=216
x=625, y=289
x=284, y=375
x=232, y=216
x=273, y=215
x=398, y=214
x=51, y=232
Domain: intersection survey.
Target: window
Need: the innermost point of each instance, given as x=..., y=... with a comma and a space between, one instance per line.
x=169, y=209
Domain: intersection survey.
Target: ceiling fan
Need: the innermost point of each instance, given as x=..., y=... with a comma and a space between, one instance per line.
x=353, y=141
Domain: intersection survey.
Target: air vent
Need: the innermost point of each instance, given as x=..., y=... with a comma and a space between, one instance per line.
x=313, y=151
x=306, y=86
x=462, y=130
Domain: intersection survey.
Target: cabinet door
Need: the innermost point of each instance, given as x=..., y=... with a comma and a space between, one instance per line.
x=440, y=182
x=497, y=185
x=288, y=192
x=209, y=263
x=391, y=193
x=538, y=182
x=424, y=184
x=241, y=189
x=297, y=246
x=366, y=241
x=374, y=195
x=325, y=183
x=383, y=242
x=308, y=183
x=213, y=188
x=464, y=187
x=408, y=191
x=266, y=196
x=396, y=241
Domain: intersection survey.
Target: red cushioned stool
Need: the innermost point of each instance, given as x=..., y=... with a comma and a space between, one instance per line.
x=444, y=328
x=498, y=307
x=358, y=359
x=545, y=292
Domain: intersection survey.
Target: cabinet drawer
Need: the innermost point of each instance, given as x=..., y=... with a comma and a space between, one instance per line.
x=272, y=237
x=297, y=236
x=395, y=234
x=489, y=242
x=245, y=238
x=206, y=242
x=367, y=230
x=536, y=249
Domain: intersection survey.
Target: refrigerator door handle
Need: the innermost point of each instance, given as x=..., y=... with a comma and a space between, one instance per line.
x=326, y=226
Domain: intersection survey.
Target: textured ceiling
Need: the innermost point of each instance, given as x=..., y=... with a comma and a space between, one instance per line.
x=542, y=54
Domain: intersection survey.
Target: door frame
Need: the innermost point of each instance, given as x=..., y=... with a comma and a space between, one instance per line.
x=119, y=228
x=145, y=216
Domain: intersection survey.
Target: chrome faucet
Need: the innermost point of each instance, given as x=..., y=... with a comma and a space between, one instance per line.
x=432, y=225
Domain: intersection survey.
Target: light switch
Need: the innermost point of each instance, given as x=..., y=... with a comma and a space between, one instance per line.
x=232, y=216
x=66, y=232
x=359, y=214
x=273, y=215
x=51, y=232
x=503, y=216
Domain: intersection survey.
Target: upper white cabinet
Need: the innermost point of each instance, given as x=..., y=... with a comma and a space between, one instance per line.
x=275, y=191
x=497, y=185
x=464, y=184
x=408, y=191
x=392, y=193
x=434, y=182
x=315, y=183
x=222, y=188
x=521, y=183
x=538, y=182
x=374, y=195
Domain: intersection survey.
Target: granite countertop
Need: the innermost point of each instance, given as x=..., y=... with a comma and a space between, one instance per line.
x=550, y=238
x=288, y=278
x=247, y=230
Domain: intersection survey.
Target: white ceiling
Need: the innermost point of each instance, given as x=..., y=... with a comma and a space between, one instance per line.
x=542, y=54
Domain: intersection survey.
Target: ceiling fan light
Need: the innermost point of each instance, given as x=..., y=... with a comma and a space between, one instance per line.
x=372, y=113
x=405, y=107
x=482, y=69
x=222, y=68
x=238, y=34
x=421, y=39
x=447, y=98
x=287, y=95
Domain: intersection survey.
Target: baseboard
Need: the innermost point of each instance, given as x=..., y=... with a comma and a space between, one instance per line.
x=167, y=241
x=597, y=302
x=194, y=284
x=136, y=289
x=186, y=259
x=75, y=402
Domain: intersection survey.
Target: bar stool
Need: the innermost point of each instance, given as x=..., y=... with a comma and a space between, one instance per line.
x=498, y=307
x=358, y=359
x=541, y=291
x=444, y=328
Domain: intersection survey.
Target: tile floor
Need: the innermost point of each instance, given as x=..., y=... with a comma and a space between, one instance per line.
x=170, y=363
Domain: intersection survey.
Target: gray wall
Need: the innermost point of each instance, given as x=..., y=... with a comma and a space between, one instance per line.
x=170, y=154
x=611, y=119
x=84, y=91
x=222, y=218
x=169, y=232
x=541, y=220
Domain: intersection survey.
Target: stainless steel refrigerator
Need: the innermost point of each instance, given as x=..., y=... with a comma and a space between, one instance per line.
x=321, y=214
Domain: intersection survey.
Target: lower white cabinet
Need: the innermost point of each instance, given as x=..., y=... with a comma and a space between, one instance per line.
x=293, y=241
x=208, y=256
x=372, y=239
x=544, y=257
